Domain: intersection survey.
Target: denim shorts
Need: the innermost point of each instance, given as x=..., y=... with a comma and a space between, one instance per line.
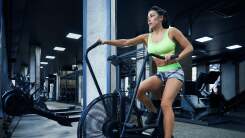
x=178, y=74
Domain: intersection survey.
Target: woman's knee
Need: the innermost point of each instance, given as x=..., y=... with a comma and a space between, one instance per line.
x=166, y=105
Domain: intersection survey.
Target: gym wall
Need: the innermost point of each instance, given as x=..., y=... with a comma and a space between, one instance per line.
x=242, y=76
x=202, y=68
x=228, y=80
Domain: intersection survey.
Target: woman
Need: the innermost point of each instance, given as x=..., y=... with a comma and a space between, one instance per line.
x=162, y=41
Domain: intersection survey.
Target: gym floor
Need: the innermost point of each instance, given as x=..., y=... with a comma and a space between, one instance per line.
x=33, y=126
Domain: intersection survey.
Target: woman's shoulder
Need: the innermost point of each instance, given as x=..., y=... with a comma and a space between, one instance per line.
x=172, y=31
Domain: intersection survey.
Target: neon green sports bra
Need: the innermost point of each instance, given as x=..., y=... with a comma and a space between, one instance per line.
x=165, y=46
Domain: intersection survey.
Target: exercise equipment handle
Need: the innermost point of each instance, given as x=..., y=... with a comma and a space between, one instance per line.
x=98, y=42
x=162, y=57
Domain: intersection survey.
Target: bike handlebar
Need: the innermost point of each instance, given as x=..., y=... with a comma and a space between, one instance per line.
x=98, y=42
x=162, y=57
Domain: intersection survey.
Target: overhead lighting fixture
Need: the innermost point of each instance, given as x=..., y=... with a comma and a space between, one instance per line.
x=44, y=63
x=41, y=67
x=73, y=36
x=55, y=74
x=233, y=47
x=46, y=77
x=204, y=39
x=194, y=56
x=133, y=58
x=50, y=57
x=59, y=48
x=74, y=67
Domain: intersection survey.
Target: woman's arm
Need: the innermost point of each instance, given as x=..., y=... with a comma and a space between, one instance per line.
x=183, y=42
x=127, y=42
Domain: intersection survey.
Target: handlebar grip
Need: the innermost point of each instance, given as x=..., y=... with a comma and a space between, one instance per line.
x=162, y=57
x=174, y=56
x=98, y=42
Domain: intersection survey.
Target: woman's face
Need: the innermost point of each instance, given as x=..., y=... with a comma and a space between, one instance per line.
x=154, y=19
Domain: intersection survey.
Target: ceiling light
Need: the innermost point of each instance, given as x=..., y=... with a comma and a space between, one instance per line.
x=55, y=74
x=133, y=58
x=74, y=67
x=44, y=63
x=41, y=67
x=46, y=77
x=204, y=39
x=73, y=36
x=233, y=47
x=194, y=56
x=59, y=48
x=50, y=57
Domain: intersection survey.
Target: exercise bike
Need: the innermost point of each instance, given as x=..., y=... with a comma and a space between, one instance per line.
x=115, y=115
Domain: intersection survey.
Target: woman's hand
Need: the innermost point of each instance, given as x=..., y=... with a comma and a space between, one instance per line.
x=100, y=40
x=159, y=62
x=166, y=61
x=168, y=58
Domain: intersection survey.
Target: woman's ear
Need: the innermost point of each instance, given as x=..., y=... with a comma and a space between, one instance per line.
x=161, y=18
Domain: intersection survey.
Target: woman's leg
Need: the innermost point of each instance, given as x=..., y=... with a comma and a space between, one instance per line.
x=171, y=89
x=151, y=84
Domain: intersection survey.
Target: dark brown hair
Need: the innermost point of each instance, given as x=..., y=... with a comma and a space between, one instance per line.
x=161, y=12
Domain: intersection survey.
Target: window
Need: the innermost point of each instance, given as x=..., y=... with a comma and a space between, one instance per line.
x=194, y=73
x=213, y=67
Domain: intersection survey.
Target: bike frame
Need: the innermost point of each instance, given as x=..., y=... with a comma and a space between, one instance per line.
x=134, y=94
